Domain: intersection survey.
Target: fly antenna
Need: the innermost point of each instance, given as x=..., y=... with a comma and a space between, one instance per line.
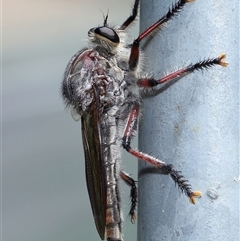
x=105, y=18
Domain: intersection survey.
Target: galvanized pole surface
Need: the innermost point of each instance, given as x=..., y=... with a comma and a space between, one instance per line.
x=192, y=124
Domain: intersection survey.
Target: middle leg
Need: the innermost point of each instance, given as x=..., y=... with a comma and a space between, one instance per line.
x=205, y=64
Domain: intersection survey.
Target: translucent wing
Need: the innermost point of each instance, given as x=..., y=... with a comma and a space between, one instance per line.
x=79, y=91
x=94, y=167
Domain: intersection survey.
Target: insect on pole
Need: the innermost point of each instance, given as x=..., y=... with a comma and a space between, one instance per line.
x=103, y=84
x=193, y=124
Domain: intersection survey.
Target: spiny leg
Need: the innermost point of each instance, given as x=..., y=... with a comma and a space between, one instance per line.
x=201, y=65
x=132, y=17
x=134, y=56
x=133, y=194
x=166, y=168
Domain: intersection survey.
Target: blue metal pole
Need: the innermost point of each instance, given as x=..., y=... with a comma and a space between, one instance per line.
x=193, y=124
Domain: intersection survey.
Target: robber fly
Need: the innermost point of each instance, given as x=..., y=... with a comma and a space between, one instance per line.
x=102, y=85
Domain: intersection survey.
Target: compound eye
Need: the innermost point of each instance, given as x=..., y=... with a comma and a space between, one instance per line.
x=107, y=33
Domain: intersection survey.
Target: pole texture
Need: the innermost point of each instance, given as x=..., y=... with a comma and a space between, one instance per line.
x=192, y=124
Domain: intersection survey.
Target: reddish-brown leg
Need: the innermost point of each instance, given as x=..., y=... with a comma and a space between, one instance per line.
x=151, y=82
x=166, y=168
x=134, y=56
x=133, y=194
x=132, y=17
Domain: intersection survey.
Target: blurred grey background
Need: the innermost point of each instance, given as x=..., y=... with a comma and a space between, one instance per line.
x=44, y=196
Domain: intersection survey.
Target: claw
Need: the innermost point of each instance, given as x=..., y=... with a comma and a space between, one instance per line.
x=193, y=195
x=133, y=218
x=220, y=58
